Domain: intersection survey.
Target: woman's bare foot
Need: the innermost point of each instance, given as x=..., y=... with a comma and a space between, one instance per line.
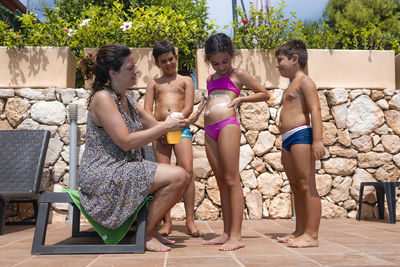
x=232, y=244
x=217, y=240
x=303, y=241
x=165, y=229
x=152, y=244
x=193, y=230
x=162, y=239
x=286, y=238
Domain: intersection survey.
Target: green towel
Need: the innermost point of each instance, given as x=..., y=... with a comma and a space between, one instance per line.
x=109, y=236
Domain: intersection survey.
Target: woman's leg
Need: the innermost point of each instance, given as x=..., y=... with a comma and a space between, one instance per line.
x=212, y=156
x=228, y=157
x=168, y=186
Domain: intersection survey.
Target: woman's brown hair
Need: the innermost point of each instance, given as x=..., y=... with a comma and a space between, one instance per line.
x=109, y=57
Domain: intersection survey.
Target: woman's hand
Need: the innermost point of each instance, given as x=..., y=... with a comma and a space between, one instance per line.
x=235, y=103
x=174, y=123
x=195, y=115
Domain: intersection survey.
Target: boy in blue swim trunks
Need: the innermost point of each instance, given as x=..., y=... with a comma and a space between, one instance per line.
x=301, y=126
x=173, y=92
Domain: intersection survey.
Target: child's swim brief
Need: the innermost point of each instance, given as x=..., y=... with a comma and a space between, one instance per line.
x=299, y=135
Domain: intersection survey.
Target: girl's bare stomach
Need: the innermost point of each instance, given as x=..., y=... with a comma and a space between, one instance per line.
x=217, y=109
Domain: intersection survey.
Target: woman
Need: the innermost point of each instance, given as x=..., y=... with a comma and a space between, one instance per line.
x=114, y=178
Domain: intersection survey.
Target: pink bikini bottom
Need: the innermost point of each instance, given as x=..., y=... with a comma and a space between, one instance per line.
x=214, y=129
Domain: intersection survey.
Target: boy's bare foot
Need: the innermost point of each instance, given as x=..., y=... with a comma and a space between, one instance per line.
x=165, y=229
x=217, y=240
x=286, y=238
x=232, y=244
x=193, y=230
x=303, y=241
x=162, y=239
x=152, y=244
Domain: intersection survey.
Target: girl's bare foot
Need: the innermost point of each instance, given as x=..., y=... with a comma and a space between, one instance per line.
x=165, y=229
x=286, y=238
x=193, y=230
x=303, y=241
x=152, y=244
x=162, y=239
x=232, y=244
x=217, y=240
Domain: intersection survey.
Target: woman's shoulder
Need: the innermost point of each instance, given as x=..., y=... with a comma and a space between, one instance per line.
x=102, y=96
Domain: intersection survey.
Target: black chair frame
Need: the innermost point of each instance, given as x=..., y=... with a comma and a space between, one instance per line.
x=38, y=246
x=22, y=157
x=382, y=189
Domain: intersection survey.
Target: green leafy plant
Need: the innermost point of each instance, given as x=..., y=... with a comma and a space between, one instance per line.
x=266, y=30
x=184, y=23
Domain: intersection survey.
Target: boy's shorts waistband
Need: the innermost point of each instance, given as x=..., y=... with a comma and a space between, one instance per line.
x=288, y=133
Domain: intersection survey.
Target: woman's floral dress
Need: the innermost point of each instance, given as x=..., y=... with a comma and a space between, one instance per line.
x=113, y=182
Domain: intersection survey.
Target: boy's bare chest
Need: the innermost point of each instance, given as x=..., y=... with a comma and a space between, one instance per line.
x=292, y=94
x=170, y=88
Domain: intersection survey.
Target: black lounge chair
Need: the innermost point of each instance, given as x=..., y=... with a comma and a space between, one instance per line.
x=137, y=244
x=22, y=156
x=382, y=189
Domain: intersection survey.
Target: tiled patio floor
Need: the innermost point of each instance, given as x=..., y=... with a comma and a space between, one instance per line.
x=342, y=243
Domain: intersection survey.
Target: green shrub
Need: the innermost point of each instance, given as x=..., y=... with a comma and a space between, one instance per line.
x=183, y=23
x=266, y=30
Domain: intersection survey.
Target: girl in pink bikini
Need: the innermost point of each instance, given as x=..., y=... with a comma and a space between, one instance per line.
x=222, y=129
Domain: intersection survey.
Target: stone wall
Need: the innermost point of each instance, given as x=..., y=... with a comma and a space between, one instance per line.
x=361, y=135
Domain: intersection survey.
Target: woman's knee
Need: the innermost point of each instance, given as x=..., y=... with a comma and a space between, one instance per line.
x=180, y=177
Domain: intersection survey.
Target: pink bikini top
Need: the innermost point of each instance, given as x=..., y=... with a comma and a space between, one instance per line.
x=224, y=83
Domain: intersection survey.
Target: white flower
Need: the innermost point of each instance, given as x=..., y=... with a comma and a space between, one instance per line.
x=126, y=25
x=85, y=22
x=71, y=32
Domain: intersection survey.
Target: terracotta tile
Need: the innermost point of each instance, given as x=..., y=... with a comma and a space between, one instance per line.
x=276, y=260
x=342, y=259
x=373, y=248
x=203, y=261
x=121, y=262
x=377, y=241
x=61, y=260
x=394, y=258
x=7, y=263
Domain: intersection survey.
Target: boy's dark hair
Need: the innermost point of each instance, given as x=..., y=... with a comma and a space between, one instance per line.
x=162, y=47
x=216, y=43
x=294, y=47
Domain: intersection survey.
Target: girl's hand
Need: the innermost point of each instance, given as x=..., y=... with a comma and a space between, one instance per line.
x=174, y=124
x=235, y=104
x=195, y=115
x=318, y=150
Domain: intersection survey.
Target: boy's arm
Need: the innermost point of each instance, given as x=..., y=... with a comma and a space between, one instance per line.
x=189, y=97
x=149, y=97
x=310, y=94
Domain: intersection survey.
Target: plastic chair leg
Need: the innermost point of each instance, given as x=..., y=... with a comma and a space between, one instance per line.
x=2, y=215
x=390, y=190
x=360, y=201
